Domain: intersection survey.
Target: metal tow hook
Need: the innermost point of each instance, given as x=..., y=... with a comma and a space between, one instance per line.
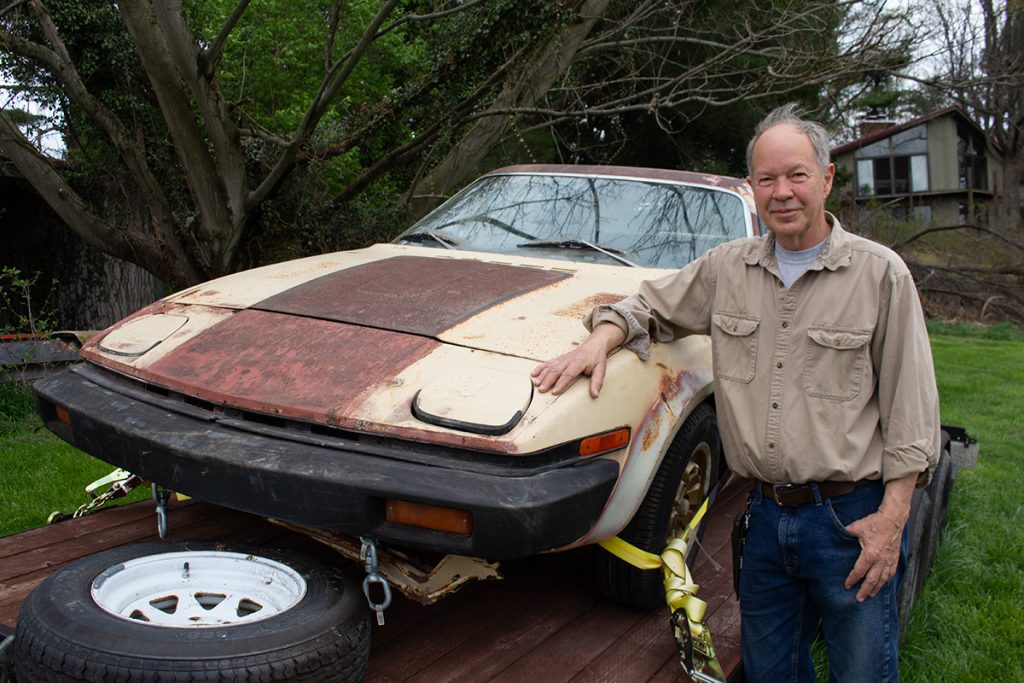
x=368, y=554
x=160, y=497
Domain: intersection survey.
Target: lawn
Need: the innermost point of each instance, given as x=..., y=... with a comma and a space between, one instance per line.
x=969, y=623
x=41, y=473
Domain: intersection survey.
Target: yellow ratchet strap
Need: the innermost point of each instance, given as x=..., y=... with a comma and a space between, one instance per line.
x=693, y=637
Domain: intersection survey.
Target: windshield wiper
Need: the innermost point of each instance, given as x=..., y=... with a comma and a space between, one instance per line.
x=446, y=241
x=490, y=220
x=610, y=252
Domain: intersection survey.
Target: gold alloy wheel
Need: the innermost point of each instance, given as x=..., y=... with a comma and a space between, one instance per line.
x=694, y=487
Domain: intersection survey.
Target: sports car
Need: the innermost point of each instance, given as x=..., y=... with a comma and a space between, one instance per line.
x=385, y=392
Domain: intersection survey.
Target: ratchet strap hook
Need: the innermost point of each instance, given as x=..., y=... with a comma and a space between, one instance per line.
x=368, y=554
x=160, y=497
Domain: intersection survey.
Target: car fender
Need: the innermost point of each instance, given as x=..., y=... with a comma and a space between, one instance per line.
x=683, y=381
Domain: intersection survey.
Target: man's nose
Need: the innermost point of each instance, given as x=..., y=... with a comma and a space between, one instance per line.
x=782, y=188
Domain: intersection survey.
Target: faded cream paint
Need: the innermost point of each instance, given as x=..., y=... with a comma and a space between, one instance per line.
x=547, y=321
x=142, y=334
x=685, y=380
x=479, y=396
x=249, y=287
x=197, y=319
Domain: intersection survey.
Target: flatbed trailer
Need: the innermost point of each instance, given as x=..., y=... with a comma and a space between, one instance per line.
x=544, y=615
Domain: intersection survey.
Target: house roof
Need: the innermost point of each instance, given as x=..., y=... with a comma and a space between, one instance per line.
x=892, y=130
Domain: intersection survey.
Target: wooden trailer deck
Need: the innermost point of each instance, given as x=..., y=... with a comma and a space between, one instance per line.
x=543, y=622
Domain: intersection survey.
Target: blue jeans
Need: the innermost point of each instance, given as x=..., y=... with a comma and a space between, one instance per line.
x=794, y=564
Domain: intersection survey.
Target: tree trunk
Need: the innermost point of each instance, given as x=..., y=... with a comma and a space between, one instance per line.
x=524, y=88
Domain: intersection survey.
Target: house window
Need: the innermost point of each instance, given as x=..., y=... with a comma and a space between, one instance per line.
x=971, y=159
x=919, y=173
x=865, y=177
x=896, y=165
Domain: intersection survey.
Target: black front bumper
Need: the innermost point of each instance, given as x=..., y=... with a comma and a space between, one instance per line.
x=336, y=484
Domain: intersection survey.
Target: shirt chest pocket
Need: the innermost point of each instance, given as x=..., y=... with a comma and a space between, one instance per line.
x=837, y=362
x=734, y=347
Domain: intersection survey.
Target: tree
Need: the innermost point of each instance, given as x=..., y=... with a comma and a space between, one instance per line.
x=220, y=121
x=979, y=65
x=660, y=68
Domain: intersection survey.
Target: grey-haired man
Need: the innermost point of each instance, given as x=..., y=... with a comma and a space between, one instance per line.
x=826, y=397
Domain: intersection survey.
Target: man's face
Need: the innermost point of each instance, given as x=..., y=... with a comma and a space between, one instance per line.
x=790, y=188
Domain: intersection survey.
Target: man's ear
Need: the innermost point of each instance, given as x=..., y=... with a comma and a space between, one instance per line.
x=830, y=174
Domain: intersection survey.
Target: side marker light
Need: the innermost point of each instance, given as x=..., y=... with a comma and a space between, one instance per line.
x=602, y=443
x=448, y=520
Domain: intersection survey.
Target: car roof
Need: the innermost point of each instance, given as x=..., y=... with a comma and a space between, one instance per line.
x=663, y=174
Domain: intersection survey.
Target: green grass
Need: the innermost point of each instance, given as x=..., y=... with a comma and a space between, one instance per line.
x=969, y=622
x=41, y=473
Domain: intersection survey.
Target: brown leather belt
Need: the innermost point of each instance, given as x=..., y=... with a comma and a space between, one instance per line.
x=791, y=495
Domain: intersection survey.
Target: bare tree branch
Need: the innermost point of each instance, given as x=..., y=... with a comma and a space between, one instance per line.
x=210, y=58
x=329, y=89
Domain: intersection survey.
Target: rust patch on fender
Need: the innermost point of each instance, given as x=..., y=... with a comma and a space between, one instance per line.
x=414, y=294
x=651, y=428
x=669, y=387
x=672, y=387
x=585, y=306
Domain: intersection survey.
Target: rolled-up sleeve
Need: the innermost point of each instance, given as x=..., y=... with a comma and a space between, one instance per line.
x=908, y=398
x=665, y=309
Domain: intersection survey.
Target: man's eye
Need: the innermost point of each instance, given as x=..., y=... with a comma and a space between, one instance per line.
x=764, y=182
x=799, y=176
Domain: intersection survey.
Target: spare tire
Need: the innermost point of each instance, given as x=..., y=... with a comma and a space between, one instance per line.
x=192, y=611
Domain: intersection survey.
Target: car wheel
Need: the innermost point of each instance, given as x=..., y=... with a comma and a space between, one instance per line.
x=684, y=479
x=197, y=612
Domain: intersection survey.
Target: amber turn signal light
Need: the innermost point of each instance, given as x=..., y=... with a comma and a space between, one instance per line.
x=63, y=415
x=448, y=520
x=602, y=443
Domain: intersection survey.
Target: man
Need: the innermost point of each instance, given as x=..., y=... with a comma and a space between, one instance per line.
x=826, y=397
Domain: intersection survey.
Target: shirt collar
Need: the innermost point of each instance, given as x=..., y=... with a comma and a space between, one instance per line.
x=836, y=255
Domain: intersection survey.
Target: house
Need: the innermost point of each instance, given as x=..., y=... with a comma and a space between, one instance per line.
x=936, y=169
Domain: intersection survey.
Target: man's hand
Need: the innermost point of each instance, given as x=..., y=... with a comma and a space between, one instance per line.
x=589, y=358
x=879, y=534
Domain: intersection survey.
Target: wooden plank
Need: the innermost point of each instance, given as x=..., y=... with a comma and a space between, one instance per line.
x=510, y=638
x=44, y=535
x=636, y=655
x=567, y=651
x=75, y=543
x=501, y=614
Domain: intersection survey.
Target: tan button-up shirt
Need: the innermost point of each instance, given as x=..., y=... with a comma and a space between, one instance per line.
x=829, y=380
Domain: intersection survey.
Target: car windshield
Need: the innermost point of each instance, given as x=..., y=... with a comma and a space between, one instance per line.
x=620, y=221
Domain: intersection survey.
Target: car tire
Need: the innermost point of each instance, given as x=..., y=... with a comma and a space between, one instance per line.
x=255, y=615
x=686, y=476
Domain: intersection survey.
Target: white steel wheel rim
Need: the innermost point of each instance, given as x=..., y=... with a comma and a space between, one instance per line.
x=198, y=589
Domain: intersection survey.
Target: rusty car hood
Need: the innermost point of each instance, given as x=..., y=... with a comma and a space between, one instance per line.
x=362, y=339
x=520, y=306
